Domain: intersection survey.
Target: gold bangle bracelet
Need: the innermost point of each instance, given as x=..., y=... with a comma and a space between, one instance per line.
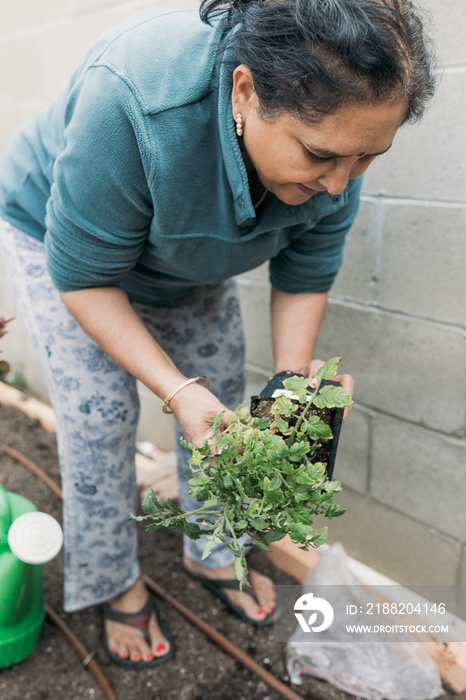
x=173, y=393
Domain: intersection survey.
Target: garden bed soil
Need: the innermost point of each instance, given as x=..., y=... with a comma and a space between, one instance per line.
x=200, y=669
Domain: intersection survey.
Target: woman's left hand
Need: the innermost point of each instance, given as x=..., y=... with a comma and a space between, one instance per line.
x=346, y=380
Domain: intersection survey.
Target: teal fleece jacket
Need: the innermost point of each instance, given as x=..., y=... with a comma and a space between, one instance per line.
x=133, y=176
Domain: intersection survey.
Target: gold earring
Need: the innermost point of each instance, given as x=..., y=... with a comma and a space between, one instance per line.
x=239, y=124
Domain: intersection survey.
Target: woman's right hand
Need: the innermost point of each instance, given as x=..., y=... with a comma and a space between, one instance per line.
x=195, y=409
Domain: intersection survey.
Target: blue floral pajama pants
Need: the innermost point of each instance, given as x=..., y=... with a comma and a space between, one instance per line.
x=97, y=408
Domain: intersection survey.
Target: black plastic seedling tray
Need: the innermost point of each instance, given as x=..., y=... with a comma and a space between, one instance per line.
x=334, y=417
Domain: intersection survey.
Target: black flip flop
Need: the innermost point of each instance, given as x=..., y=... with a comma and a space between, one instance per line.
x=215, y=586
x=140, y=620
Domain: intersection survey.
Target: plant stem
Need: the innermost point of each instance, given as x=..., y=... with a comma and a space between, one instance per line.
x=303, y=414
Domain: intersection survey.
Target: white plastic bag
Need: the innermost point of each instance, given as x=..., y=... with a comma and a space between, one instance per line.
x=395, y=670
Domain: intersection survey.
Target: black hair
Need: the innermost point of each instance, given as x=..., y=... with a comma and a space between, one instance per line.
x=313, y=57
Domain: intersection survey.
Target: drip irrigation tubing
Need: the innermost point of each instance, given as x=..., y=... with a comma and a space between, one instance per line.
x=53, y=486
x=86, y=658
x=216, y=636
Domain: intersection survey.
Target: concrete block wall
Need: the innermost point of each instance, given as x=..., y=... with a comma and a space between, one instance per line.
x=397, y=312
x=397, y=316
x=40, y=45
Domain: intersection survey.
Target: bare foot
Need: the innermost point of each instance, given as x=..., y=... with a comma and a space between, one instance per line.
x=262, y=585
x=127, y=641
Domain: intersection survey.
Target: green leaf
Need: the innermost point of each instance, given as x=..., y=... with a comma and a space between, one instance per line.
x=260, y=544
x=187, y=445
x=172, y=506
x=275, y=483
x=241, y=570
x=298, y=450
x=300, y=513
x=301, y=493
x=299, y=531
x=263, y=423
x=317, y=429
x=281, y=449
x=320, y=537
x=208, y=547
x=196, y=459
x=284, y=406
x=227, y=481
x=192, y=530
x=298, y=385
x=330, y=396
x=258, y=523
x=242, y=413
x=150, y=504
x=328, y=370
x=241, y=524
x=282, y=425
x=334, y=511
x=316, y=471
x=196, y=480
x=274, y=535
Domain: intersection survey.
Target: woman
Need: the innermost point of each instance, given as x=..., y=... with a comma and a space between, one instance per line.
x=184, y=151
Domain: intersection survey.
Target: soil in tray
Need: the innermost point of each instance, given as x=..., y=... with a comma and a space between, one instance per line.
x=200, y=669
x=261, y=408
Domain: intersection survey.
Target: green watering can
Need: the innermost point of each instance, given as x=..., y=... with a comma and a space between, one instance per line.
x=27, y=540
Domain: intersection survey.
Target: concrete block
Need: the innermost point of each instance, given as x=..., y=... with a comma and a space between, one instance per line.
x=423, y=261
x=461, y=602
x=393, y=544
x=403, y=366
x=352, y=461
x=17, y=347
x=449, y=29
x=419, y=473
x=63, y=44
x=154, y=425
x=21, y=70
x=357, y=276
x=27, y=15
x=428, y=159
x=30, y=15
x=258, y=274
x=255, y=381
x=255, y=309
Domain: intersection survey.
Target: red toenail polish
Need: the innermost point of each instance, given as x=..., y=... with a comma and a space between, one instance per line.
x=161, y=647
x=124, y=654
x=260, y=612
x=136, y=657
x=148, y=657
x=270, y=608
x=113, y=650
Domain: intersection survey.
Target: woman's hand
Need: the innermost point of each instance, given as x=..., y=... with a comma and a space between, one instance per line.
x=195, y=408
x=346, y=380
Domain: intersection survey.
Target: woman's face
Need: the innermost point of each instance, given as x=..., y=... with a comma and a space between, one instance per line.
x=295, y=160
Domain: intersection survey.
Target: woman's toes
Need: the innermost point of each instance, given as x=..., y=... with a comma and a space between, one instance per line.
x=161, y=649
x=160, y=646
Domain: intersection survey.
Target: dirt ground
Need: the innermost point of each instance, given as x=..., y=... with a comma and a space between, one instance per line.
x=200, y=669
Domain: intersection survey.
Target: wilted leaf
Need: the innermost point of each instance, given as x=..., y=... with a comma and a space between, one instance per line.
x=331, y=396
